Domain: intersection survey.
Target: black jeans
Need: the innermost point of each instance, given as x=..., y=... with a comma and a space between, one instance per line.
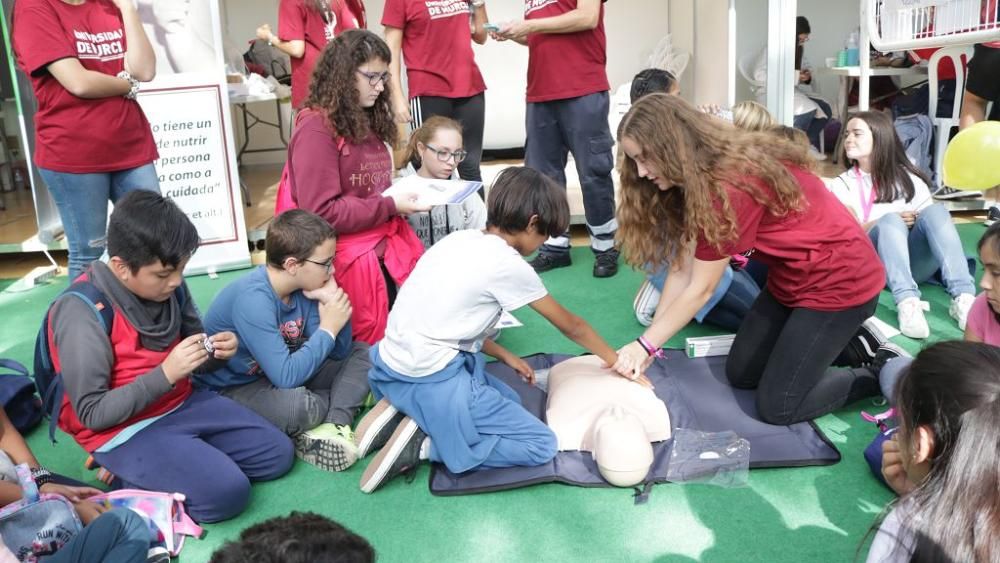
x=786, y=354
x=470, y=113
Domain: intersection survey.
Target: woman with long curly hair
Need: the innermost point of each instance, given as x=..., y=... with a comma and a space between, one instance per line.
x=695, y=191
x=338, y=166
x=304, y=28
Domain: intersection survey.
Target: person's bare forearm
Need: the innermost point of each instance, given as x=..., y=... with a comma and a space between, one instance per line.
x=140, y=61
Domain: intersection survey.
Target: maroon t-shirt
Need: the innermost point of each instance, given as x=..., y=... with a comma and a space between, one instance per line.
x=298, y=20
x=437, y=47
x=564, y=65
x=72, y=134
x=338, y=180
x=818, y=258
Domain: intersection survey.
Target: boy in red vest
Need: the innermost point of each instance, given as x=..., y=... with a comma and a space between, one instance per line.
x=128, y=397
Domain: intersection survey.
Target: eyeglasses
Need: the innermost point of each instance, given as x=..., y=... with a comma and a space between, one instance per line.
x=328, y=264
x=445, y=156
x=375, y=77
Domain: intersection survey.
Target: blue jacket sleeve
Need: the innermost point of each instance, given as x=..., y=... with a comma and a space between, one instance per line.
x=256, y=321
x=342, y=346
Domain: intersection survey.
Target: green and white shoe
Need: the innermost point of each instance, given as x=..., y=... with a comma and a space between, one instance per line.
x=328, y=446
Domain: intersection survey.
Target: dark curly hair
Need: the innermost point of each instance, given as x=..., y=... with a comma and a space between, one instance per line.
x=333, y=92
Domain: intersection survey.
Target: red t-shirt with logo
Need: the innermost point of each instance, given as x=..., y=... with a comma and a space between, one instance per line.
x=72, y=134
x=565, y=65
x=298, y=20
x=818, y=258
x=437, y=47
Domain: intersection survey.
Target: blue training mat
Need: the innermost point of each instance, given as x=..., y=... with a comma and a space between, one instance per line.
x=697, y=396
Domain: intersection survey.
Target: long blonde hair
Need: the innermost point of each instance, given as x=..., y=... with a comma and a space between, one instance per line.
x=701, y=155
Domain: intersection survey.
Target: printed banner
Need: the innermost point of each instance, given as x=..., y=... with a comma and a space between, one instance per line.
x=188, y=110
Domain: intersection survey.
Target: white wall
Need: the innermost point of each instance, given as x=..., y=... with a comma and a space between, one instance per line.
x=701, y=27
x=633, y=29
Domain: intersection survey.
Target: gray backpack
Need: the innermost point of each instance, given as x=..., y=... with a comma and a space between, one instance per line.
x=39, y=524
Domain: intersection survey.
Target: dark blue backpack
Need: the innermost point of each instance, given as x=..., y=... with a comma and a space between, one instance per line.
x=17, y=395
x=47, y=379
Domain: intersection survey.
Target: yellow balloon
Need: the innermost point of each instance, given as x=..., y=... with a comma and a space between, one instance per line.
x=972, y=159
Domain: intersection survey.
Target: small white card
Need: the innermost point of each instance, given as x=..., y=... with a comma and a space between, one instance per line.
x=507, y=321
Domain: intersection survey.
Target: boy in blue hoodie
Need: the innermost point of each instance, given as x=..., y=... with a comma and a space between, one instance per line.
x=296, y=364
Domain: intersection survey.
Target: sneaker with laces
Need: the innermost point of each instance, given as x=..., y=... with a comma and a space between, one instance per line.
x=606, y=263
x=158, y=554
x=959, y=308
x=400, y=455
x=992, y=216
x=546, y=261
x=815, y=154
x=376, y=427
x=911, y=317
x=328, y=446
x=886, y=352
x=945, y=193
x=866, y=343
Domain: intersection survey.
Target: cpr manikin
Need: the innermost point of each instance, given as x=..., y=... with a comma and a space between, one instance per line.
x=594, y=410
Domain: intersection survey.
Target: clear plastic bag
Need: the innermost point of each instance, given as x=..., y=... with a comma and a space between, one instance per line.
x=712, y=458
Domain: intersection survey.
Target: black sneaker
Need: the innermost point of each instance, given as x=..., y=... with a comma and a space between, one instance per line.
x=400, y=455
x=376, y=427
x=866, y=343
x=885, y=353
x=992, y=216
x=946, y=193
x=546, y=261
x=606, y=264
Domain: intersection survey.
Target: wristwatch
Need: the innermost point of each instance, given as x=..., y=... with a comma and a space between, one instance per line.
x=133, y=83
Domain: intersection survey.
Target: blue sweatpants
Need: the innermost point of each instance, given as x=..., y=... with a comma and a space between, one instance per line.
x=117, y=536
x=209, y=449
x=474, y=420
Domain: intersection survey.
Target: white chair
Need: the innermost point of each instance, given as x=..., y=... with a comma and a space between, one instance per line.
x=944, y=125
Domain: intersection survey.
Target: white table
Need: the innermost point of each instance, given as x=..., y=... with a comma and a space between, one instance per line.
x=251, y=120
x=846, y=74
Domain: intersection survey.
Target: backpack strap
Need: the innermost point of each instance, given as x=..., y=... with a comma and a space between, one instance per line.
x=14, y=366
x=101, y=306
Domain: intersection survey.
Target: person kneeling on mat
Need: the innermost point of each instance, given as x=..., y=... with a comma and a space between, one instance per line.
x=429, y=366
x=701, y=190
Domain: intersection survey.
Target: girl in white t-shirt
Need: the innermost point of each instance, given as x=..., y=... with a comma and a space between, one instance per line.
x=434, y=151
x=945, y=459
x=430, y=364
x=915, y=239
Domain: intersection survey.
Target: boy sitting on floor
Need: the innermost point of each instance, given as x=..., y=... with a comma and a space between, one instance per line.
x=128, y=396
x=429, y=366
x=296, y=365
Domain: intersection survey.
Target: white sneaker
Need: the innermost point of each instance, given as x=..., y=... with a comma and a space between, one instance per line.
x=959, y=309
x=911, y=317
x=815, y=154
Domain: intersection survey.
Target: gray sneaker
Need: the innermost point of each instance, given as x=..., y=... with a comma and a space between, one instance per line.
x=376, y=427
x=400, y=455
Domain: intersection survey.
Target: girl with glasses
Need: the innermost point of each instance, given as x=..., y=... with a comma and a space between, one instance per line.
x=338, y=166
x=435, y=151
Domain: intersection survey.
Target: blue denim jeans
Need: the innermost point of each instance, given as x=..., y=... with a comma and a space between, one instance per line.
x=914, y=255
x=82, y=200
x=730, y=302
x=813, y=126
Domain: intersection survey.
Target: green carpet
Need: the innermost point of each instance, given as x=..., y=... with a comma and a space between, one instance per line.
x=805, y=514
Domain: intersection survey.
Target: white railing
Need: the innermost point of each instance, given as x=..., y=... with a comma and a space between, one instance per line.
x=896, y=25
